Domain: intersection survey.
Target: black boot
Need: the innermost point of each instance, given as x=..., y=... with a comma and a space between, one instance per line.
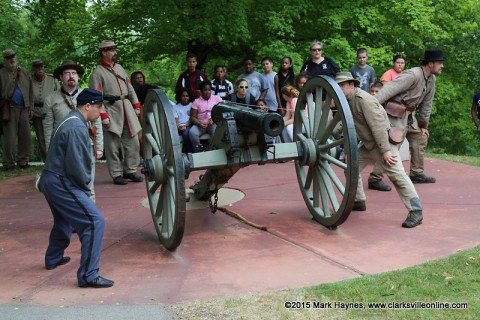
x=414, y=218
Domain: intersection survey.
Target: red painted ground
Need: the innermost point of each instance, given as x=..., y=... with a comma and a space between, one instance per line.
x=220, y=256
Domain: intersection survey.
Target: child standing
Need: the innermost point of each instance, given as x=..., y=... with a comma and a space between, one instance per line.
x=220, y=86
x=191, y=78
x=285, y=76
x=269, y=75
x=182, y=118
x=363, y=72
x=375, y=88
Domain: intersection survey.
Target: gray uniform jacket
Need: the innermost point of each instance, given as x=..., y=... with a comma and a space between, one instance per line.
x=7, y=80
x=70, y=155
x=411, y=88
x=56, y=109
x=122, y=111
x=371, y=120
x=41, y=89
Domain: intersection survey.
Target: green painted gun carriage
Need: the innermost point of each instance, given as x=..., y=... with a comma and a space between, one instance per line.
x=244, y=137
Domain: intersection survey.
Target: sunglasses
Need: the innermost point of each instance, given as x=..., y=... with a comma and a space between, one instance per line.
x=317, y=49
x=242, y=87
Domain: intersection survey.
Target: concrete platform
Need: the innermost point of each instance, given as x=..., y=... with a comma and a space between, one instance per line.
x=221, y=256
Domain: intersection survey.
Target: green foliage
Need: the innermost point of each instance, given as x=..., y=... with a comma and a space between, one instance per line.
x=155, y=36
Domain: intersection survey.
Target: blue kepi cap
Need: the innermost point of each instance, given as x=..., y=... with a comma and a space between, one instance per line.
x=89, y=96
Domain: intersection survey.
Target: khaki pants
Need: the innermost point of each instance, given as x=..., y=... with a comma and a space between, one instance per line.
x=131, y=156
x=17, y=129
x=395, y=173
x=417, y=141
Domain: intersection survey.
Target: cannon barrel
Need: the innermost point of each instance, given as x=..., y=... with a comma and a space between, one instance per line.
x=247, y=119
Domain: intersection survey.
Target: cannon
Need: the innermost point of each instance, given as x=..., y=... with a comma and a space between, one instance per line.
x=322, y=124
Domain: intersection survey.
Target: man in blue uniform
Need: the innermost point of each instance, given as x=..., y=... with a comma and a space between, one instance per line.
x=64, y=182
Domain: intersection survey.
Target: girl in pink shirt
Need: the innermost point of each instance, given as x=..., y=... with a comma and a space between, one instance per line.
x=200, y=115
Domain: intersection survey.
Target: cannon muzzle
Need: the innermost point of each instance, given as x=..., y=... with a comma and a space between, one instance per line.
x=247, y=119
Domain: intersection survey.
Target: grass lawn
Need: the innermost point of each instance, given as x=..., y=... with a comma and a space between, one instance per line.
x=32, y=170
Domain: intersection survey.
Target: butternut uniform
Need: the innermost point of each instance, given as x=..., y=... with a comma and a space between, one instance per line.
x=412, y=88
x=18, y=126
x=372, y=125
x=124, y=124
x=41, y=89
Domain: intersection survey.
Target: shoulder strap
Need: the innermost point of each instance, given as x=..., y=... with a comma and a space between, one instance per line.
x=115, y=74
x=67, y=101
x=56, y=130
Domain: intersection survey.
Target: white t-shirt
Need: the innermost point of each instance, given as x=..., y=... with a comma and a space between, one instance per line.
x=182, y=113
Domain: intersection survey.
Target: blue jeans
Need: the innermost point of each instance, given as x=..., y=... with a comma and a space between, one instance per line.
x=187, y=144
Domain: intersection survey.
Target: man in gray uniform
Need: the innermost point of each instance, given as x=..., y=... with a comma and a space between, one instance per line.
x=121, y=124
x=43, y=84
x=372, y=127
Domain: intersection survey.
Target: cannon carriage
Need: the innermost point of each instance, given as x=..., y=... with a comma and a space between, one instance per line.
x=244, y=137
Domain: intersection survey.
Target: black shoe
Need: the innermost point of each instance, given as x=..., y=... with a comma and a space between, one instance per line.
x=63, y=261
x=421, y=178
x=379, y=185
x=119, y=180
x=99, y=282
x=359, y=206
x=414, y=219
x=132, y=177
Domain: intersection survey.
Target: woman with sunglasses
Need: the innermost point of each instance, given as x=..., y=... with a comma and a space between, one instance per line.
x=241, y=95
x=318, y=64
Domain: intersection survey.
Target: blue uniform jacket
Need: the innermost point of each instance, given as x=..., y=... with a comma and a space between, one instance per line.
x=70, y=152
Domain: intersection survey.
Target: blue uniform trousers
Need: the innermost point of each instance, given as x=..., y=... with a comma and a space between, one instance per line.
x=72, y=208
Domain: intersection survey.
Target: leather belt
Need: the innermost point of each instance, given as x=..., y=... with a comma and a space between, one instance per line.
x=38, y=105
x=410, y=108
x=115, y=98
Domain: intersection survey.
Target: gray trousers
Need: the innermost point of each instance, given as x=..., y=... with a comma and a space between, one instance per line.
x=131, y=156
x=196, y=132
x=18, y=128
x=395, y=173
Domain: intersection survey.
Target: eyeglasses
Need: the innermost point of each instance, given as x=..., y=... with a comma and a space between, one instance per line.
x=316, y=49
x=242, y=87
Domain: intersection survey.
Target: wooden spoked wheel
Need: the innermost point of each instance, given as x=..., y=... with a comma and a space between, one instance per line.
x=164, y=169
x=324, y=126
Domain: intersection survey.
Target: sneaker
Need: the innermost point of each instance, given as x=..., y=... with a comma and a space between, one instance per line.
x=359, y=206
x=379, y=185
x=421, y=178
x=414, y=218
x=132, y=177
x=119, y=180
